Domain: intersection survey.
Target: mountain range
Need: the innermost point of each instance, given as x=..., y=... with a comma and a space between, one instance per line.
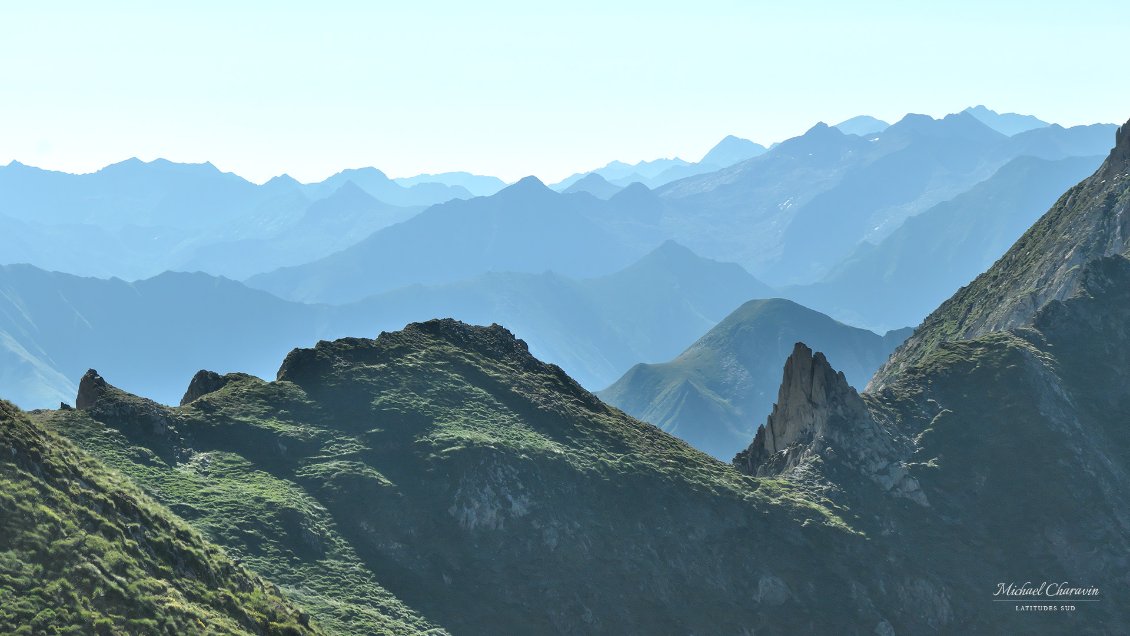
x=729, y=151
x=525, y=227
x=441, y=478
x=53, y=326
x=792, y=214
x=931, y=255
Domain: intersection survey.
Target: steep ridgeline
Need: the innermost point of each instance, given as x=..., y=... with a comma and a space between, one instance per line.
x=487, y=490
x=713, y=394
x=996, y=443
x=82, y=551
x=1088, y=222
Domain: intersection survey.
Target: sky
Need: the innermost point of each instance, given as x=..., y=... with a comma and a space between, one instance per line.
x=519, y=88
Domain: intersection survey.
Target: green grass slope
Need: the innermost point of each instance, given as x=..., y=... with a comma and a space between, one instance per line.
x=479, y=486
x=84, y=552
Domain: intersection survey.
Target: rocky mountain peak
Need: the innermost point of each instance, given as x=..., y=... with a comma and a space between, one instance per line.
x=1121, y=152
x=203, y=383
x=819, y=416
x=90, y=388
x=812, y=400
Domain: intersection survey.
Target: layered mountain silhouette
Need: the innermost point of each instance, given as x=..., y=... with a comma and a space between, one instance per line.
x=862, y=125
x=908, y=274
x=595, y=328
x=477, y=185
x=53, y=326
x=595, y=185
x=1050, y=262
x=524, y=228
x=137, y=219
x=1005, y=123
x=729, y=151
x=148, y=333
x=791, y=215
x=380, y=187
x=714, y=394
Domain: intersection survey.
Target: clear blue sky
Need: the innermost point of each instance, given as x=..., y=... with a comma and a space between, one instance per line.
x=517, y=88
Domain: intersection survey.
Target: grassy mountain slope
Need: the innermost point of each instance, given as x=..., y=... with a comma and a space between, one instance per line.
x=84, y=552
x=482, y=487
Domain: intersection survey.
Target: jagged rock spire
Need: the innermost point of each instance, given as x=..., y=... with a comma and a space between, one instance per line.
x=819, y=415
x=90, y=388
x=812, y=399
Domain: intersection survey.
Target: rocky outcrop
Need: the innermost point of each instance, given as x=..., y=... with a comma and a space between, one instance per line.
x=90, y=389
x=819, y=416
x=135, y=416
x=203, y=383
x=813, y=400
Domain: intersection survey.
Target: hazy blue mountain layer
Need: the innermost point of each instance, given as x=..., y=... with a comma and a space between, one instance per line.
x=524, y=228
x=477, y=185
x=595, y=185
x=136, y=219
x=792, y=214
x=923, y=262
x=862, y=125
x=729, y=151
x=1048, y=263
x=595, y=328
x=1006, y=123
x=55, y=326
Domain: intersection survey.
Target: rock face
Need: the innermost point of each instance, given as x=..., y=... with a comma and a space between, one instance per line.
x=819, y=424
x=203, y=383
x=814, y=399
x=90, y=388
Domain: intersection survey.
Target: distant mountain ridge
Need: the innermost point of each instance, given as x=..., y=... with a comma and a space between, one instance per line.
x=908, y=274
x=862, y=125
x=658, y=172
x=526, y=227
x=1006, y=123
x=792, y=214
x=53, y=326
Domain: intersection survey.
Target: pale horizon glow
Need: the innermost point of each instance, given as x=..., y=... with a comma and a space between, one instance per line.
x=513, y=88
